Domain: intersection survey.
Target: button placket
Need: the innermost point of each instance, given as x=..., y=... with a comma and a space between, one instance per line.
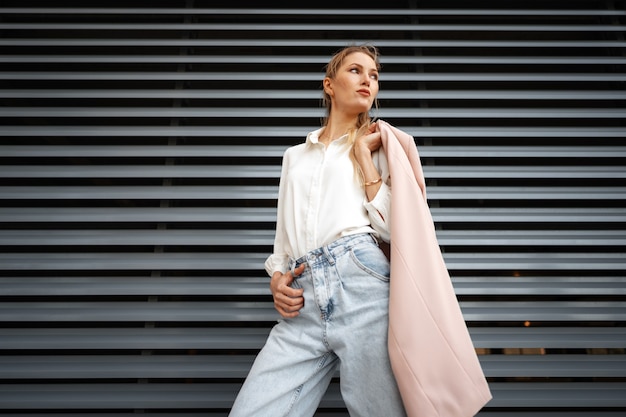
x=315, y=200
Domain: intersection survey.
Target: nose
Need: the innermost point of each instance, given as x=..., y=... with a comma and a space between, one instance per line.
x=366, y=79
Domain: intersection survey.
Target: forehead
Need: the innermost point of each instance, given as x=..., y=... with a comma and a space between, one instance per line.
x=360, y=58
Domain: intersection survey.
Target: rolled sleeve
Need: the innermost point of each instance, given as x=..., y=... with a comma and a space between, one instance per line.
x=276, y=263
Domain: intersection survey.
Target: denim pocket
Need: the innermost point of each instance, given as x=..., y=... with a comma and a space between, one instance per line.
x=372, y=260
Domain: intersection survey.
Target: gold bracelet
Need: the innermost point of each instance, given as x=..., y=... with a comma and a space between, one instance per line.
x=373, y=182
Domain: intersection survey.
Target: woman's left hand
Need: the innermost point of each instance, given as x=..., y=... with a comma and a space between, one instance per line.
x=368, y=143
x=363, y=148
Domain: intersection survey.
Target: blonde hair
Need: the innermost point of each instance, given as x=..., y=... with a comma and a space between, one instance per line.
x=363, y=119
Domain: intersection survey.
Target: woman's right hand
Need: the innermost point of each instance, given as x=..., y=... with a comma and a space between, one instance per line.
x=287, y=301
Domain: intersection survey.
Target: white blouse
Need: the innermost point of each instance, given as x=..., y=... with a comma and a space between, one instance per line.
x=320, y=200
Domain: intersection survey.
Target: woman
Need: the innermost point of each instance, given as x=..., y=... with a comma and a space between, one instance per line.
x=329, y=278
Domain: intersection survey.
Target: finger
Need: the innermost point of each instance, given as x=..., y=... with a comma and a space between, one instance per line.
x=287, y=315
x=288, y=307
x=290, y=296
x=288, y=311
x=286, y=288
x=288, y=300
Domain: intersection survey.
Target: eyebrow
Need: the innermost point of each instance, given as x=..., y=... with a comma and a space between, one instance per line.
x=361, y=66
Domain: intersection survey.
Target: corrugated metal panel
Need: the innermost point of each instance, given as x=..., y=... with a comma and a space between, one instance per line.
x=139, y=159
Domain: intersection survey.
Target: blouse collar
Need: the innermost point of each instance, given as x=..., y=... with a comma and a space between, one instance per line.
x=313, y=137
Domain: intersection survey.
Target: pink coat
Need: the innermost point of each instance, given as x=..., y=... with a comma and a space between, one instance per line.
x=432, y=356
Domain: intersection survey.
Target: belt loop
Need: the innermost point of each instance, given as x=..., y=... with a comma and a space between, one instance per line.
x=329, y=257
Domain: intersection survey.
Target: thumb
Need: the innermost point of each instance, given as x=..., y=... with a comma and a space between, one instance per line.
x=299, y=270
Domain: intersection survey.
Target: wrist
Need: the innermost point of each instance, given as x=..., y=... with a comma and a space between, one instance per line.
x=373, y=182
x=362, y=153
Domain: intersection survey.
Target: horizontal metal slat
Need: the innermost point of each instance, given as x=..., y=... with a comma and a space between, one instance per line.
x=309, y=11
x=554, y=366
x=244, y=286
x=324, y=413
x=254, y=261
x=268, y=215
x=201, y=395
x=273, y=171
x=537, y=413
x=548, y=337
x=98, y=413
x=300, y=27
x=276, y=112
x=145, y=192
x=531, y=215
x=126, y=366
x=317, y=60
x=197, y=311
x=258, y=237
x=236, y=112
x=276, y=151
x=231, y=366
x=539, y=285
x=128, y=285
x=139, y=338
x=133, y=261
x=139, y=215
x=536, y=261
x=138, y=237
x=155, y=151
x=280, y=132
x=526, y=193
x=313, y=95
x=183, y=192
x=555, y=395
x=523, y=151
x=306, y=76
x=216, y=338
x=143, y=171
x=529, y=238
x=518, y=172
x=303, y=43
x=124, y=396
x=127, y=311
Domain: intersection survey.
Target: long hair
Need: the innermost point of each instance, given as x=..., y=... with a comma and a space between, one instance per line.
x=363, y=119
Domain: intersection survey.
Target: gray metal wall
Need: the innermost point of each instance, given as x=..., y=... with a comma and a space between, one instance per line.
x=140, y=150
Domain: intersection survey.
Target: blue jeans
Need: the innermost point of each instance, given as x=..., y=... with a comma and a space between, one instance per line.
x=343, y=325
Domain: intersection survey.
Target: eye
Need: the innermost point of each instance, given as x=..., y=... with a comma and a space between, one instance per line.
x=374, y=77
x=354, y=70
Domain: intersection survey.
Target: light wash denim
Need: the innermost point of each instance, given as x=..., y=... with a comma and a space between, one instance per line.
x=343, y=325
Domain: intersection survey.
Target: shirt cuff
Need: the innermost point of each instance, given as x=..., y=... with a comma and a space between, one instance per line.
x=276, y=263
x=381, y=202
x=379, y=211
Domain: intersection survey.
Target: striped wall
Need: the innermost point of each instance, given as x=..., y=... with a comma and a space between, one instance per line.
x=140, y=150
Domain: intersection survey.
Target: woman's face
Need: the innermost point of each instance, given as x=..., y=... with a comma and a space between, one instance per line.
x=355, y=86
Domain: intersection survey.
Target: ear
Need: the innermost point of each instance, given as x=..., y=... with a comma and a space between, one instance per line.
x=328, y=89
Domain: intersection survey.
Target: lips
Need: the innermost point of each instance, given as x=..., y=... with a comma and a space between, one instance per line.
x=364, y=92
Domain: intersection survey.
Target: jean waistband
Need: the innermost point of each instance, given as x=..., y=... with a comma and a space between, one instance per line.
x=332, y=250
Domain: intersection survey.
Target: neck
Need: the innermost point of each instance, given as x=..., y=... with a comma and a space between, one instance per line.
x=336, y=128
